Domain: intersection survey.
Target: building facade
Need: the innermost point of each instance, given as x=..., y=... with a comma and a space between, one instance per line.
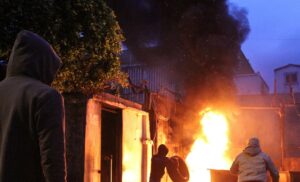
x=287, y=79
x=250, y=84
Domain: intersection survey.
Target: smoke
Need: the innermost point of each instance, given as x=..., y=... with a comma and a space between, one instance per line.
x=198, y=40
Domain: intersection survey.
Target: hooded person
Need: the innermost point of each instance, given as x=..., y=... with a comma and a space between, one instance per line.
x=252, y=164
x=31, y=114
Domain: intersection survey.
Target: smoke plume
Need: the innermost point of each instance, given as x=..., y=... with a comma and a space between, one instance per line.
x=199, y=40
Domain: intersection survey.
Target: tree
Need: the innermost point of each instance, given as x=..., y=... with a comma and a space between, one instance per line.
x=85, y=34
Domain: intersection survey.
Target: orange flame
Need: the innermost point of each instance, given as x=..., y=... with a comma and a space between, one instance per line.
x=210, y=147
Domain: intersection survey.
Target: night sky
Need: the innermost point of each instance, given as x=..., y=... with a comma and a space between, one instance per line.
x=274, y=39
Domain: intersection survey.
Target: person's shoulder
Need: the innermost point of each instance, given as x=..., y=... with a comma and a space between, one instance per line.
x=240, y=156
x=156, y=156
x=51, y=92
x=264, y=155
x=160, y=158
x=49, y=97
x=28, y=86
x=44, y=90
x=28, y=83
x=39, y=86
x=41, y=91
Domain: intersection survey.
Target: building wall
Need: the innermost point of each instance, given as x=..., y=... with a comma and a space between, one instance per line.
x=243, y=66
x=136, y=147
x=75, y=114
x=263, y=123
x=281, y=84
x=156, y=79
x=250, y=84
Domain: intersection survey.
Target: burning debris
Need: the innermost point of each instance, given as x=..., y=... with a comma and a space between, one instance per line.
x=210, y=147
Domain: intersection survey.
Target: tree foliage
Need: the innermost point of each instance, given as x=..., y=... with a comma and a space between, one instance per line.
x=85, y=34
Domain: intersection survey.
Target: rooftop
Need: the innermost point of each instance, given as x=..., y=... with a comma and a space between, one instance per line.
x=288, y=65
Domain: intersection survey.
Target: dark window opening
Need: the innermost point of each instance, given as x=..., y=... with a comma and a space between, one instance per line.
x=291, y=78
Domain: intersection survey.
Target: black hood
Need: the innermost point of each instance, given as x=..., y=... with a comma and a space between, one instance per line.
x=34, y=57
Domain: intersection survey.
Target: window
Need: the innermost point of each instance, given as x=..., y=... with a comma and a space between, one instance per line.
x=291, y=78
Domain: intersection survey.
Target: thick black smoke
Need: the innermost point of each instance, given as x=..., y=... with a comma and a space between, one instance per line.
x=198, y=39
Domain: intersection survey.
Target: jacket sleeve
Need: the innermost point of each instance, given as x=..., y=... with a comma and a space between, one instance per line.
x=234, y=169
x=272, y=168
x=50, y=134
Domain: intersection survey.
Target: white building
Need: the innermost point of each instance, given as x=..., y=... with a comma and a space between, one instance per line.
x=250, y=84
x=247, y=82
x=287, y=79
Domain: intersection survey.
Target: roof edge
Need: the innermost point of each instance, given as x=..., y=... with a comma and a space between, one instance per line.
x=288, y=65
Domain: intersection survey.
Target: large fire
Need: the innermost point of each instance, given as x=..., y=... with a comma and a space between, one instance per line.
x=210, y=147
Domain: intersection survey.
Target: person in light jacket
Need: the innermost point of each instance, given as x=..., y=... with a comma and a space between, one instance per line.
x=31, y=114
x=252, y=164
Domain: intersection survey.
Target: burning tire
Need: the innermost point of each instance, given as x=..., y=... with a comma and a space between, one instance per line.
x=178, y=170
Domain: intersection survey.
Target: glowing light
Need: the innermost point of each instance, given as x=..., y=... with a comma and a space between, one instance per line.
x=209, y=148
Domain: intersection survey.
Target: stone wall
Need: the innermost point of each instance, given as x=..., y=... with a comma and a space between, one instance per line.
x=75, y=112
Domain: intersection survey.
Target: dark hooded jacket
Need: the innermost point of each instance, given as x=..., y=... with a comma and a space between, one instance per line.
x=158, y=163
x=31, y=114
x=2, y=69
x=252, y=164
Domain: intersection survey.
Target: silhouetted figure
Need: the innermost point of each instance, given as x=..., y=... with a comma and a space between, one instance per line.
x=252, y=164
x=2, y=69
x=31, y=114
x=158, y=163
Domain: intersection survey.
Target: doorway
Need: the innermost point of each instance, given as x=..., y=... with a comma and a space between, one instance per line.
x=111, y=145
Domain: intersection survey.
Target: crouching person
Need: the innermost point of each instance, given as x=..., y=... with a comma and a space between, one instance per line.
x=159, y=162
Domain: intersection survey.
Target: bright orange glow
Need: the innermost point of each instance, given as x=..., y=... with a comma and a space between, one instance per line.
x=132, y=146
x=161, y=136
x=210, y=147
x=136, y=154
x=129, y=169
x=92, y=142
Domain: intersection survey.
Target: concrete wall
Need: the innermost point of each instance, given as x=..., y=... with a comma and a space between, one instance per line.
x=135, y=137
x=263, y=123
x=75, y=117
